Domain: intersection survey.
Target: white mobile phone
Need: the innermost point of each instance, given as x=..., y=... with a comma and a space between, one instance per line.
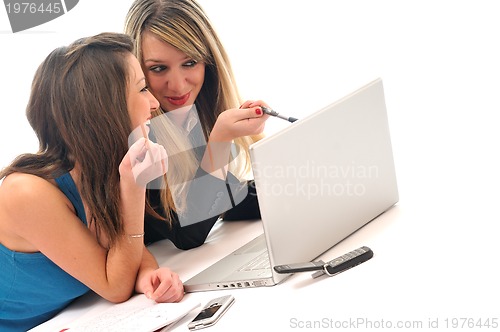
x=211, y=312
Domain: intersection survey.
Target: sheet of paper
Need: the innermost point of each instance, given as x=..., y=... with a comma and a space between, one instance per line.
x=139, y=314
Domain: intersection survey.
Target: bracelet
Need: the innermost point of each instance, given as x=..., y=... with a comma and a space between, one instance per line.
x=136, y=235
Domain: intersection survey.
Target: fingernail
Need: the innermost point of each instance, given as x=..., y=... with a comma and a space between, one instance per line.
x=148, y=295
x=258, y=111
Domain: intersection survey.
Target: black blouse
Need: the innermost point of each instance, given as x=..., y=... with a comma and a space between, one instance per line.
x=195, y=234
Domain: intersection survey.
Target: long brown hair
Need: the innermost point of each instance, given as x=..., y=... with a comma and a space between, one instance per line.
x=78, y=111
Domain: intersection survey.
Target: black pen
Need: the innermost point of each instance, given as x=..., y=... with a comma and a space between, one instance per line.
x=271, y=112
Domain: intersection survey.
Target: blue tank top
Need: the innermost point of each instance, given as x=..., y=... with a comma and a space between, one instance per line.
x=32, y=288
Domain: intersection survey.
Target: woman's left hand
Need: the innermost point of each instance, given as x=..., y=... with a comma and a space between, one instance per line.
x=145, y=160
x=247, y=120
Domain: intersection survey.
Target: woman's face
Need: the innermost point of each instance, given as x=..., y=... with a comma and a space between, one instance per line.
x=140, y=102
x=174, y=78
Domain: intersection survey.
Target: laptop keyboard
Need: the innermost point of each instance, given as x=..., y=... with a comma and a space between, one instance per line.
x=261, y=262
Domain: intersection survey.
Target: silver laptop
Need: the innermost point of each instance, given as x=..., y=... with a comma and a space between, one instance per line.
x=318, y=181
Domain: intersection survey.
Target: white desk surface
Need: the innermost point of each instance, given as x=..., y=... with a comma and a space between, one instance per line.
x=423, y=273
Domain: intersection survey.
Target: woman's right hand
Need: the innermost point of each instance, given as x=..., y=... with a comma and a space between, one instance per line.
x=248, y=120
x=161, y=285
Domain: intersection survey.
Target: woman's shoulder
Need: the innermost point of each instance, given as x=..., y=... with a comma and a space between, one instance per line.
x=27, y=191
x=26, y=184
x=28, y=203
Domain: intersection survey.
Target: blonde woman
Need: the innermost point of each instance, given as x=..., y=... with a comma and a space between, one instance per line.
x=188, y=71
x=72, y=214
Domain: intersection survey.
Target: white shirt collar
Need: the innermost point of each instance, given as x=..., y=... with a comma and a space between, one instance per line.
x=185, y=117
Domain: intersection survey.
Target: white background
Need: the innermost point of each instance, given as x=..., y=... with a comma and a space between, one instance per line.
x=439, y=61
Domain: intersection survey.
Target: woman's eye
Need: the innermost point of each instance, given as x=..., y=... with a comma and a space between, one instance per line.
x=157, y=69
x=190, y=63
x=146, y=88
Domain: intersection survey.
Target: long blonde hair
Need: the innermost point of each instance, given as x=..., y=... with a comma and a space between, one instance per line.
x=184, y=25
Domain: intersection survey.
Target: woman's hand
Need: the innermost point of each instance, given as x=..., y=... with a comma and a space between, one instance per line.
x=161, y=285
x=247, y=120
x=144, y=162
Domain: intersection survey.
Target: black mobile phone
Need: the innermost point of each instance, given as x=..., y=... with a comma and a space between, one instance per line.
x=332, y=267
x=211, y=312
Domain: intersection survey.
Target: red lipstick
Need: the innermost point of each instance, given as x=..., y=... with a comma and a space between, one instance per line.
x=179, y=101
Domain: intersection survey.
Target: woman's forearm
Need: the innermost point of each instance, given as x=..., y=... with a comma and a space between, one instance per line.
x=216, y=159
x=148, y=264
x=125, y=256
